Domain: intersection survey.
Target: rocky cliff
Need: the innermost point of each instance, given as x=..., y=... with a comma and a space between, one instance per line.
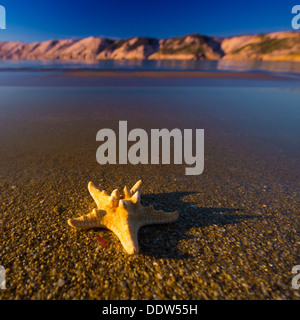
x=190, y=47
x=277, y=46
x=273, y=46
x=134, y=48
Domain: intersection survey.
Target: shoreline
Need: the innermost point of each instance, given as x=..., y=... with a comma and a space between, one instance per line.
x=174, y=74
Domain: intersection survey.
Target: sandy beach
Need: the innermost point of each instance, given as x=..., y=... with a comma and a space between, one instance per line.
x=237, y=235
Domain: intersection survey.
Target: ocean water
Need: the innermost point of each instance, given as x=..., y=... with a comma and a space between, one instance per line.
x=200, y=65
x=47, y=121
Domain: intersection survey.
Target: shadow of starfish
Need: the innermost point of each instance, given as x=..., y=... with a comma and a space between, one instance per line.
x=162, y=240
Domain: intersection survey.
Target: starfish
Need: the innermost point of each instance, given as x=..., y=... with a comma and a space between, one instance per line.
x=123, y=214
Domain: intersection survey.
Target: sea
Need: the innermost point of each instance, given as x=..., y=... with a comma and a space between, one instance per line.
x=157, y=65
x=255, y=118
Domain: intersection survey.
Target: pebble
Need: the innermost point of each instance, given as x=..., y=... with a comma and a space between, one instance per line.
x=159, y=276
x=61, y=282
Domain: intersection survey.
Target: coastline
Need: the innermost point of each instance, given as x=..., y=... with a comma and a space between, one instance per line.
x=173, y=74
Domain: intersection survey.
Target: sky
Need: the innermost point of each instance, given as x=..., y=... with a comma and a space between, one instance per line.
x=37, y=20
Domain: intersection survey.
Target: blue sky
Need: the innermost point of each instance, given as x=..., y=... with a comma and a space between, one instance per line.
x=37, y=20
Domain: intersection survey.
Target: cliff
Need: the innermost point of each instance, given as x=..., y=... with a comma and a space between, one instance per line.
x=190, y=47
x=284, y=46
x=277, y=46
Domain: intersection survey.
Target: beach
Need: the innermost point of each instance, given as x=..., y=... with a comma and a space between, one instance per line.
x=237, y=235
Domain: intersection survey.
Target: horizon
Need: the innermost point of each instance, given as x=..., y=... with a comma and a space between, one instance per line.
x=57, y=20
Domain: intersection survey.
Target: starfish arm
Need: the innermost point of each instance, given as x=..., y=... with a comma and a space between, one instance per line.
x=127, y=194
x=94, y=219
x=152, y=216
x=128, y=236
x=100, y=197
x=136, y=187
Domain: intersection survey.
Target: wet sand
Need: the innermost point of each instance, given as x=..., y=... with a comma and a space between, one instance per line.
x=173, y=74
x=237, y=236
